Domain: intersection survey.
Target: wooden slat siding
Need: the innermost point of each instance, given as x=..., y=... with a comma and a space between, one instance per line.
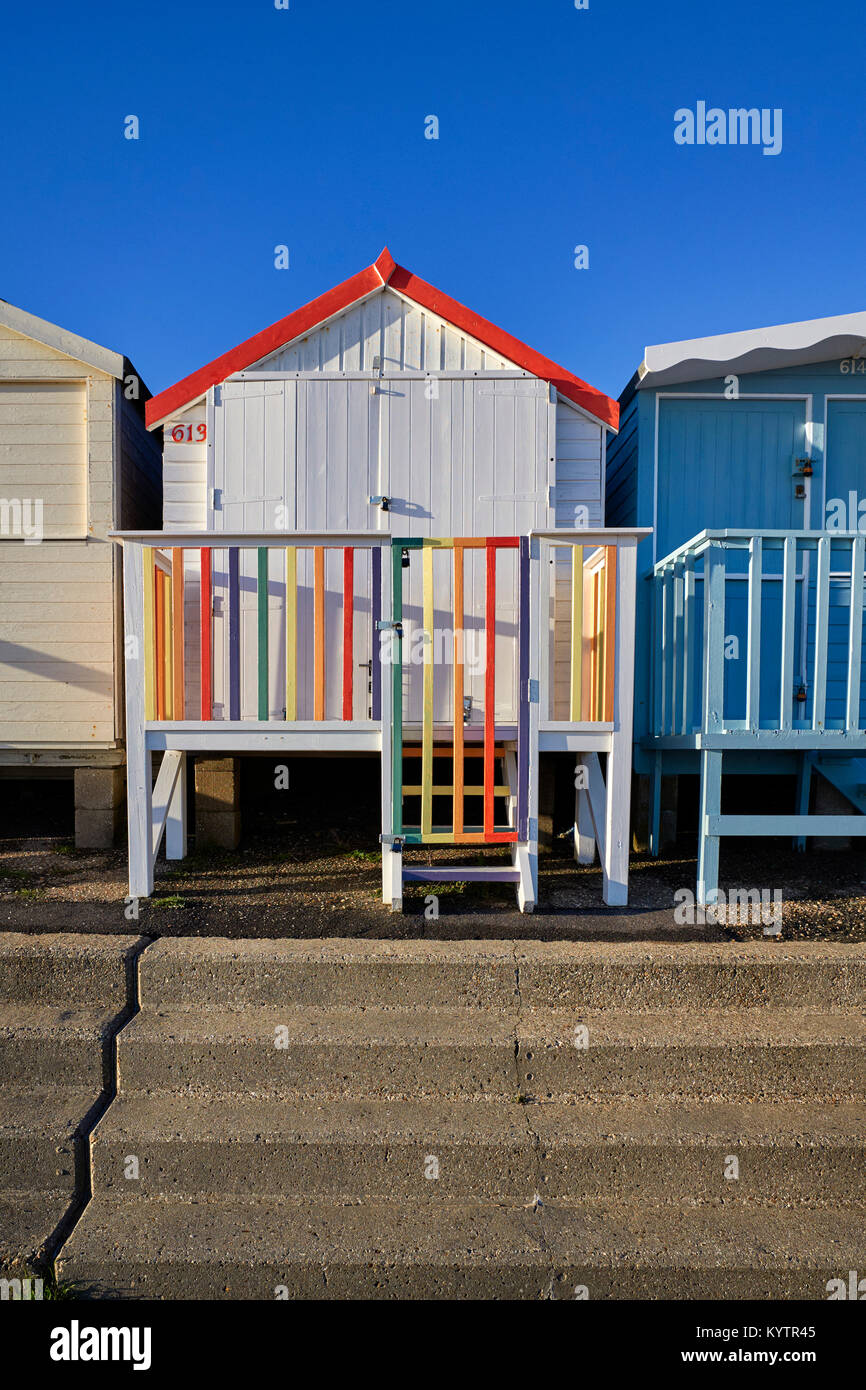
x=576, y=699
x=429, y=618
x=489, y=687
x=523, y=693
x=375, y=635
x=789, y=590
x=396, y=650
x=234, y=633
x=609, y=676
x=262, y=630
x=822, y=627
x=159, y=627
x=458, y=617
x=291, y=632
x=206, y=604
x=753, y=638
x=688, y=644
x=855, y=635
x=48, y=433
x=149, y=586
x=348, y=631
x=714, y=637
x=319, y=632
x=177, y=633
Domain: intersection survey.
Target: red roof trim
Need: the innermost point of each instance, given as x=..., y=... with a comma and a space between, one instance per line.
x=599, y=405
x=384, y=271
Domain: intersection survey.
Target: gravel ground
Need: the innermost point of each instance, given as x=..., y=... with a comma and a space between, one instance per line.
x=306, y=870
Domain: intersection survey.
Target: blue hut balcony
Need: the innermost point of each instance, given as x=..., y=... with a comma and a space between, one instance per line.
x=758, y=646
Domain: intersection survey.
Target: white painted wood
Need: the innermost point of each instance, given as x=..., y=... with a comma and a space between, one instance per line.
x=753, y=656
x=596, y=795
x=584, y=836
x=618, y=782
x=175, y=826
x=138, y=756
x=163, y=795
x=789, y=576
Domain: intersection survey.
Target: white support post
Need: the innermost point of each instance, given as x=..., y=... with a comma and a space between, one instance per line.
x=138, y=758
x=525, y=855
x=392, y=859
x=584, y=835
x=175, y=825
x=619, y=759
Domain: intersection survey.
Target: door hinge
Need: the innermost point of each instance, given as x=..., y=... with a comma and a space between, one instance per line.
x=216, y=498
x=532, y=692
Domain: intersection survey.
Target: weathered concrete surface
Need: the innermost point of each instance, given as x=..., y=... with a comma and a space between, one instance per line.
x=423, y=1120
x=488, y=974
x=62, y=999
x=249, y=1248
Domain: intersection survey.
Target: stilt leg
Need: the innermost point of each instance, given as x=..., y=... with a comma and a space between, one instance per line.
x=711, y=805
x=655, y=806
x=584, y=836
x=804, y=786
x=175, y=825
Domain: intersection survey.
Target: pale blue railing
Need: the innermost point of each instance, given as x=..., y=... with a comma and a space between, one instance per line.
x=760, y=632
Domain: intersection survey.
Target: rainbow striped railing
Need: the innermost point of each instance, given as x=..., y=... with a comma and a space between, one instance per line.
x=240, y=642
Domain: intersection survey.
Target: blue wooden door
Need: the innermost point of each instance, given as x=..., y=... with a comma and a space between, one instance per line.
x=730, y=463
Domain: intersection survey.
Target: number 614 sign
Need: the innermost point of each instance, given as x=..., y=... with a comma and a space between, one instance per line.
x=189, y=434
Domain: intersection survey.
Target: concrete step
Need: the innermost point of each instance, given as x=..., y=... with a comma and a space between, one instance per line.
x=48, y=1045
x=38, y=1134
x=29, y=1221
x=493, y=974
x=235, y=1248
x=66, y=968
x=643, y=1150
x=424, y=1053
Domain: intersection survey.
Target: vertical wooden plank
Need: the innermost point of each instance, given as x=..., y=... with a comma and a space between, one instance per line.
x=262, y=630
x=149, y=630
x=177, y=615
x=291, y=632
x=658, y=655
x=490, y=689
x=708, y=845
x=159, y=623
x=617, y=808
x=688, y=724
x=677, y=649
x=714, y=638
x=753, y=653
x=610, y=612
x=205, y=631
x=167, y=645
x=786, y=688
x=576, y=701
x=348, y=630
x=855, y=635
x=396, y=649
x=234, y=633
x=459, y=657
x=429, y=618
x=822, y=630
x=523, y=690
x=175, y=820
x=376, y=615
x=138, y=601
x=319, y=632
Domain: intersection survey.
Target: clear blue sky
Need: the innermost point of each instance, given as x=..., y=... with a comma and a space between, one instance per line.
x=306, y=127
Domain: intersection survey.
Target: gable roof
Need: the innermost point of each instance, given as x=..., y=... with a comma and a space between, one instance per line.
x=383, y=271
x=61, y=340
x=754, y=350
